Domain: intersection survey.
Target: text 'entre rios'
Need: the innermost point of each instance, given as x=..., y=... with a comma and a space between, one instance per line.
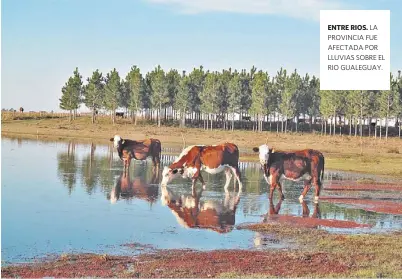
x=350, y=27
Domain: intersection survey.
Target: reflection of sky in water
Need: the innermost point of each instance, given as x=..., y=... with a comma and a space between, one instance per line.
x=56, y=198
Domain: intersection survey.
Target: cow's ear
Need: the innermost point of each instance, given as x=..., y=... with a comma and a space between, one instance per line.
x=255, y=149
x=111, y=139
x=174, y=171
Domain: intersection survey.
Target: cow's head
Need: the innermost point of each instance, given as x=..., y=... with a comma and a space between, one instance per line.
x=264, y=152
x=168, y=174
x=118, y=144
x=117, y=141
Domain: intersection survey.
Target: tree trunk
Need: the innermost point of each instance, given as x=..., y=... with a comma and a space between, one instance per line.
x=71, y=115
x=212, y=124
x=233, y=116
x=322, y=127
x=286, y=124
x=334, y=123
x=277, y=124
x=350, y=126
x=183, y=119
x=386, y=126
x=380, y=129
x=159, y=114
x=93, y=115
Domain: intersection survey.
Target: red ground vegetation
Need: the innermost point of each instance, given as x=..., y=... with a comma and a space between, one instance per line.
x=179, y=263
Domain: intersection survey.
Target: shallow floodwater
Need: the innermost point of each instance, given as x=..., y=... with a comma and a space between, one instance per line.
x=62, y=197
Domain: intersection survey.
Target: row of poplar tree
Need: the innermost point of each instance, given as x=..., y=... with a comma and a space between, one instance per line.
x=207, y=94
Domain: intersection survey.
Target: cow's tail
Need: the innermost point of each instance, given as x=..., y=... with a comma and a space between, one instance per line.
x=322, y=171
x=159, y=148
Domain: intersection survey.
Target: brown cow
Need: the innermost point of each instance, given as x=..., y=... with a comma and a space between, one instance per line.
x=307, y=164
x=127, y=188
x=211, y=158
x=139, y=150
x=211, y=214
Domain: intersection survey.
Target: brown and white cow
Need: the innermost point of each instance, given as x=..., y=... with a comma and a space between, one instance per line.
x=190, y=212
x=127, y=188
x=210, y=158
x=137, y=149
x=307, y=164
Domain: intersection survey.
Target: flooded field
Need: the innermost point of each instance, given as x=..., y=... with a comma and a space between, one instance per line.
x=62, y=197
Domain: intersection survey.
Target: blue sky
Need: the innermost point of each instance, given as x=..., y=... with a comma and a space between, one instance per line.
x=44, y=40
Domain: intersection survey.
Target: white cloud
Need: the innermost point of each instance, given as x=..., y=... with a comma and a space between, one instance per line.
x=306, y=9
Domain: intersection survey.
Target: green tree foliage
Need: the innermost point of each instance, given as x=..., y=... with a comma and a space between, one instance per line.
x=287, y=106
x=113, y=90
x=245, y=91
x=136, y=88
x=160, y=93
x=388, y=102
x=235, y=95
x=258, y=96
x=313, y=99
x=71, y=93
x=94, y=93
x=182, y=100
x=197, y=77
x=218, y=96
x=209, y=95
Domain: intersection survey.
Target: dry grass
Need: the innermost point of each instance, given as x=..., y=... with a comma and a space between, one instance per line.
x=367, y=255
x=366, y=155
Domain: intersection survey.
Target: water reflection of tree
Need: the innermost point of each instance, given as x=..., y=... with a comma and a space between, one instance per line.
x=106, y=177
x=90, y=170
x=67, y=167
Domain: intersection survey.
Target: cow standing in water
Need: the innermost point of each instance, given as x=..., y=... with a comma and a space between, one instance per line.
x=139, y=150
x=211, y=158
x=307, y=164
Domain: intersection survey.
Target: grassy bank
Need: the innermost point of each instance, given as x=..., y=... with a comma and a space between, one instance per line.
x=365, y=155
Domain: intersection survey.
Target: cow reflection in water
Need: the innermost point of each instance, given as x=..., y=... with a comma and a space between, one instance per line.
x=191, y=212
x=127, y=189
x=273, y=216
x=274, y=211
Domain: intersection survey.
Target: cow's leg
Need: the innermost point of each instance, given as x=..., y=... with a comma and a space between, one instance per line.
x=228, y=173
x=202, y=181
x=274, y=183
x=125, y=165
x=317, y=185
x=306, y=210
x=307, y=186
x=316, y=213
x=280, y=190
x=197, y=175
x=237, y=174
x=156, y=162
